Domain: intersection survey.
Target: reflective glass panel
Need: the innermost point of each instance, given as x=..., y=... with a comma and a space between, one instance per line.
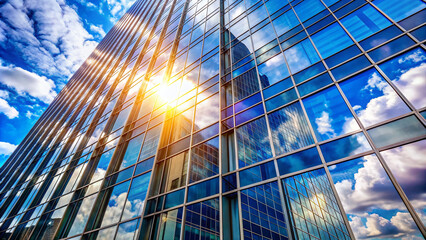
x=290, y=130
x=202, y=220
x=328, y=114
x=408, y=72
x=331, y=40
x=372, y=98
x=253, y=144
x=371, y=202
x=299, y=161
x=314, y=207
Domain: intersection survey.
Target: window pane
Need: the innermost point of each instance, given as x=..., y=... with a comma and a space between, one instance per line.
x=204, y=160
x=290, y=130
x=273, y=70
x=207, y=112
x=345, y=147
x=408, y=73
x=299, y=161
x=285, y=22
x=257, y=174
x=301, y=56
x=364, y=22
x=253, y=144
x=399, y=9
x=262, y=213
x=329, y=114
x=132, y=151
x=331, y=40
x=204, y=189
x=202, y=220
x=128, y=230
x=313, y=205
x=137, y=194
x=407, y=164
x=372, y=98
x=371, y=202
x=396, y=131
x=115, y=204
x=308, y=8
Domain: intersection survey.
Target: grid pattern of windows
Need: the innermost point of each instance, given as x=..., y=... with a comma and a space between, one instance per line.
x=233, y=119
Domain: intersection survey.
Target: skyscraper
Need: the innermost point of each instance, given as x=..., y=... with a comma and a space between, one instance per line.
x=233, y=120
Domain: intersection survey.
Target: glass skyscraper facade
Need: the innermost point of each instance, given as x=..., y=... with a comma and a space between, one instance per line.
x=234, y=119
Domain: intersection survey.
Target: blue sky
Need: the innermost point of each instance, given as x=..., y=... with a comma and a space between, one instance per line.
x=42, y=43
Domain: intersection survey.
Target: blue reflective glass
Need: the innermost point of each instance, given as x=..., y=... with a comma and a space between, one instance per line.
x=408, y=72
x=136, y=198
x=380, y=37
x=102, y=165
x=331, y=40
x=204, y=189
x=309, y=72
x=399, y=9
x=114, y=199
x=277, y=88
x=204, y=160
x=205, y=134
x=289, y=129
x=251, y=143
x=350, y=67
x=308, y=8
x=364, y=22
x=342, y=56
x=257, y=174
x=367, y=196
x=132, y=151
x=263, y=36
x=249, y=114
x=299, y=161
x=174, y=198
x=328, y=114
x=345, y=147
x=202, y=220
x=314, y=84
x=396, y=131
x=273, y=70
x=391, y=48
x=209, y=68
x=301, y=56
x=128, y=230
x=372, y=98
x=309, y=193
x=229, y=182
x=242, y=69
x=407, y=166
x=248, y=102
x=285, y=22
x=245, y=85
x=281, y=99
x=262, y=213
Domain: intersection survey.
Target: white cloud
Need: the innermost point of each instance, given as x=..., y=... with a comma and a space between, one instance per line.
x=47, y=34
x=118, y=7
x=4, y=94
x=324, y=124
x=6, y=148
x=383, y=107
x=99, y=30
x=25, y=82
x=8, y=110
x=413, y=85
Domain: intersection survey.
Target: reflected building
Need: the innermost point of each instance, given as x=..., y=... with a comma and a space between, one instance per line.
x=233, y=120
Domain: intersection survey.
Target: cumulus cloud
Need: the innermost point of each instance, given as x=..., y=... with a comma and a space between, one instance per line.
x=8, y=110
x=47, y=34
x=25, y=82
x=6, y=148
x=372, y=203
x=412, y=83
x=324, y=124
x=98, y=29
x=118, y=7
